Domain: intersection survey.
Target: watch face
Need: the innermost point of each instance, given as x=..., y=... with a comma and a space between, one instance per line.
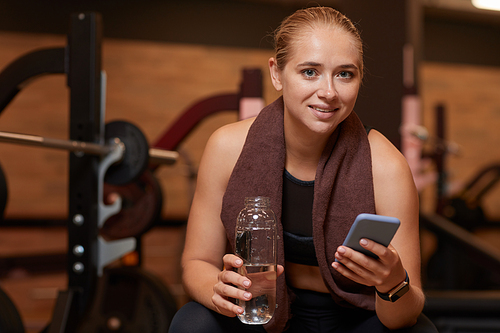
x=400, y=292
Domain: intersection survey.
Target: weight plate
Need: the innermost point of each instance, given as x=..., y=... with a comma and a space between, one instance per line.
x=136, y=156
x=129, y=300
x=141, y=207
x=10, y=320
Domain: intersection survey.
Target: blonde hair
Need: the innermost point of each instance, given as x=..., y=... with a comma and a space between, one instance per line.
x=312, y=17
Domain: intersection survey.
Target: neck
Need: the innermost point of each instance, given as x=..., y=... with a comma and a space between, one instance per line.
x=303, y=151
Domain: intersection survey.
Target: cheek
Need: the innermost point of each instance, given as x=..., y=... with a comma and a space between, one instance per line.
x=300, y=88
x=350, y=94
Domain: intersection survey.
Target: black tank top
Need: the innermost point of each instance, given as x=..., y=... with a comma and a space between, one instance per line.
x=296, y=218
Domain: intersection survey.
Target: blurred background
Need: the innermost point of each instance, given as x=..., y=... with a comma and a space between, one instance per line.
x=432, y=86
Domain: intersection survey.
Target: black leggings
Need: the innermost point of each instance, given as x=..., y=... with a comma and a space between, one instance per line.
x=312, y=312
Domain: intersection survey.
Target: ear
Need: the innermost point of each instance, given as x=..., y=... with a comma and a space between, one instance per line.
x=275, y=74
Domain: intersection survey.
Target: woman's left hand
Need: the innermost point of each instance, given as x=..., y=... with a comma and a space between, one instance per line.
x=384, y=273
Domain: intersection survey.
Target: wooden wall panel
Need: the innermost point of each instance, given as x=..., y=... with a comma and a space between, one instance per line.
x=149, y=84
x=471, y=97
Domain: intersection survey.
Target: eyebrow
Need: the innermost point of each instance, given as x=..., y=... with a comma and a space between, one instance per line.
x=349, y=66
x=309, y=63
x=316, y=64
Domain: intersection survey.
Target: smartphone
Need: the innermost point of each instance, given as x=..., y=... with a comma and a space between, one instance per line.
x=378, y=228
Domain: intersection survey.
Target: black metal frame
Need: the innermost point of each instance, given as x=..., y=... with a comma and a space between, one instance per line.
x=84, y=81
x=80, y=60
x=453, y=309
x=83, y=69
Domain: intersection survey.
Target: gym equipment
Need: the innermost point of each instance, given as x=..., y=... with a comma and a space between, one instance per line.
x=250, y=90
x=135, y=161
x=247, y=101
x=120, y=135
x=141, y=208
x=461, y=257
x=88, y=251
x=452, y=304
x=129, y=300
x=465, y=208
x=97, y=230
x=452, y=266
x=462, y=278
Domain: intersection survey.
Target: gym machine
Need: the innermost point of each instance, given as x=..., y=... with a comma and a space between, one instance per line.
x=462, y=278
x=109, y=158
x=116, y=153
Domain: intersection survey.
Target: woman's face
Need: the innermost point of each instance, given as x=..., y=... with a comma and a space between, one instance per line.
x=320, y=81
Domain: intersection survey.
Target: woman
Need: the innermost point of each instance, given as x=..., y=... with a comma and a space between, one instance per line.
x=309, y=138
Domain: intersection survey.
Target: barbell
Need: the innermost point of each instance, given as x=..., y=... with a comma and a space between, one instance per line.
x=136, y=154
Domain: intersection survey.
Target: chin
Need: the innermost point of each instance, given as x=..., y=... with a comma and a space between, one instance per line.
x=322, y=128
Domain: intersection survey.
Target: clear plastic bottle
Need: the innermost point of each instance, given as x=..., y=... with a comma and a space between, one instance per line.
x=256, y=243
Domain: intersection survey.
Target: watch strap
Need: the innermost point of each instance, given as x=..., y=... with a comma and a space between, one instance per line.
x=396, y=293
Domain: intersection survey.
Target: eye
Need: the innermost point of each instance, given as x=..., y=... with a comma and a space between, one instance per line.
x=345, y=75
x=309, y=72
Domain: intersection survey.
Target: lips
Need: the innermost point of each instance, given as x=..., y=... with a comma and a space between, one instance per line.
x=323, y=110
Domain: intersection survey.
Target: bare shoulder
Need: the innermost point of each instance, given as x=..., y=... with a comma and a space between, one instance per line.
x=392, y=177
x=223, y=149
x=228, y=140
x=387, y=160
x=232, y=135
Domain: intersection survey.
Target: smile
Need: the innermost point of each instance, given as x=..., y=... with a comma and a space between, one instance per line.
x=323, y=110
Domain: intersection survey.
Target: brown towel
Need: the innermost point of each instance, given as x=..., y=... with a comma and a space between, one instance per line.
x=343, y=189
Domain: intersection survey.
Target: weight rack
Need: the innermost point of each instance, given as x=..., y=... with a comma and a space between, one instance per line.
x=88, y=253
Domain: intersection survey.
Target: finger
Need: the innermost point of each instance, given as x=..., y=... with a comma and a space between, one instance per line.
x=232, y=261
x=279, y=270
x=357, y=262
x=348, y=256
x=383, y=252
x=234, y=278
x=348, y=273
x=391, y=269
x=387, y=268
x=353, y=269
x=226, y=307
x=231, y=290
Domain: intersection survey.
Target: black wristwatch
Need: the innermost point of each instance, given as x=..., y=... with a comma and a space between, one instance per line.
x=396, y=293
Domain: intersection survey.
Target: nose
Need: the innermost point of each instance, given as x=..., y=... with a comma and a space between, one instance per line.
x=327, y=89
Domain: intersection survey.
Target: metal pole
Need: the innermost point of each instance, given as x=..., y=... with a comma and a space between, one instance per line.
x=156, y=156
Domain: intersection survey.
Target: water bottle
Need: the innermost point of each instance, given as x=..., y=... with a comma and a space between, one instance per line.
x=256, y=243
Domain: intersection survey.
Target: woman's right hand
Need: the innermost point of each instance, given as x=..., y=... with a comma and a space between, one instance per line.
x=227, y=287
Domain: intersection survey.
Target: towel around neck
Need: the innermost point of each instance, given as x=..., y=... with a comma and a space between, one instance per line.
x=343, y=189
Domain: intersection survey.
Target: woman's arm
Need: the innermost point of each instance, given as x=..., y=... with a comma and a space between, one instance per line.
x=202, y=261
x=395, y=195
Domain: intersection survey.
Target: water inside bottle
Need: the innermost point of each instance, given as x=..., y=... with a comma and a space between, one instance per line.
x=260, y=309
